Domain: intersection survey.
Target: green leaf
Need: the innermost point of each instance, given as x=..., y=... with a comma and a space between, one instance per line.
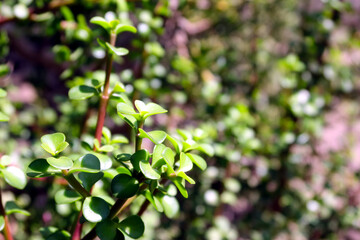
x=41, y=168
x=66, y=196
x=206, y=148
x=89, y=179
x=5, y=160
x=107, y=134
x=2, y=93
x=124, y=186
x=3, y=117
x=186, y=177
x=54, y=143
x=11, y=207
x=105, y=161
x=148, y=109
x=169, y=158
x=180, y=184
x=95, y=209
x=101, y=43
x=123, y=170
x=132, y=226
x=59, y=235
x=15, y=177
x=106, y=148
x=60, y=163
x=123, y=157
x=101, y=22
x=170, y=205
x=185, y=163
x=123, y=108
x=119, y=139
x=154, y=201
x=157, y=137
x=158, y=155
x=118, y=51
x=119, y=87
x=107, y=230
x=184, y=134
x=197, y=160
x=88, y=163
x=2, y=223
x=81, y=92
x=148, y=171
x=124, y=27
x=136, y=158
x=176, y=143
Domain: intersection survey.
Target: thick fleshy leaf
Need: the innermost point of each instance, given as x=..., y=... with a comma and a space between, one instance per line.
x=148, y=171
x=169, y=158
x=136, y=158
x=184, y=134
x=95, y=209
x=118, y=51
x=2, y=93
x=197, y=160
x=119, y=139
x=107, y=230
x=89, y=179
x=158, y=155
x=186, y=177
x=5, y=160
x=185, y=163
x=4, y=117
x=41, y=168
x=65, y=196
x=107, y=134
x=123, y=157
x=124, y=186
x=206, y=148
x=11, y=207
x=81, y=92
x=154, y=201
x=157, y=137
x=149, y=109
x=88, y=163
x=123, y=170
x=176, y=143
x=105, y=161
x=170, y=205
x=132, y=226
x=101, y=22
x=180, y=184
x=2, y=223
x=14, y=176
x=59, y=235
x=54, y=143
x=119, y=87
x=106, y=148
x=124, y=27
x=60, y=163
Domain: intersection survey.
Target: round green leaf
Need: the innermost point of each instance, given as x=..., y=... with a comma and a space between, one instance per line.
x=65, y=196
x=11, y=207
x=59, y=235
x=169, y=157
x=124, y=186
x=60, y=163
x=5, y=160
x=3, y=117
x=170, y=205
x=180, y=184
x=41, y=168
x=87, y=163
x=157, y=137
x=197, y=160
x=185, y=163
x=95, y=209
x=118, y=51
x=54, y=143
x=107, y=230
x=101, y=22
x=15, y=177
x=132, y=226
x=124, y=27
x=148, y=171
x=89, y=179
x=81, y=92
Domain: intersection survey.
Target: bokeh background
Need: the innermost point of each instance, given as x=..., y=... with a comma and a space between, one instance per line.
x=272, y=85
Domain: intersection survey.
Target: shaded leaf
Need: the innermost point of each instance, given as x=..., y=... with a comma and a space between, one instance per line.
x=65, y=196
x=81, y=92
x=132, y=226
x=95, y=209
x=41, y=168
x=11, y=207
x=124, y=186
x=89, y=179
x=60, y=163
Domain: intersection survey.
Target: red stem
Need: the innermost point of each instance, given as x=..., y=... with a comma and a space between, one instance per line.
x=7, y=229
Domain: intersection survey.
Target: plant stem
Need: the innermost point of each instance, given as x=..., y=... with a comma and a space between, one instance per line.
x=138, y=139
x=75, y=184
x=105, y=95
x=77, y=229
x=7, y=229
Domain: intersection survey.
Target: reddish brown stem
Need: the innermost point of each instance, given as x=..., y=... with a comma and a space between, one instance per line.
x=7, y=229
x=105, y=95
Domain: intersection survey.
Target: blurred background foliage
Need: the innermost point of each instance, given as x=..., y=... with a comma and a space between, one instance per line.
x=273, y=85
